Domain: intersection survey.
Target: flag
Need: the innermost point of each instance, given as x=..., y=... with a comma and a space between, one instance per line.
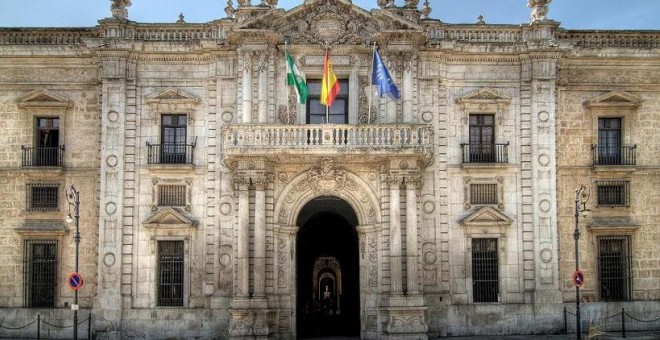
x=380, y=77
x=293, y=78
x=330, y=87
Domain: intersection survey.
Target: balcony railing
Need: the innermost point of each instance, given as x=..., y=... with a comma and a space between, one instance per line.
x=42, y=156
x=485, y=153
x=170, y=153
x=328, y=136
x=624, y=155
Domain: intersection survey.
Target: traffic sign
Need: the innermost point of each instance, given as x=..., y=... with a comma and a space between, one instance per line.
x=75, y=281
x=578, y=278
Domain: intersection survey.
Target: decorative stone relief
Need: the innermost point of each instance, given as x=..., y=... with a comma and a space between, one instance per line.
x=285, y=114
x=329, y=24
x=406, y=324
x=155, y=191
x=282, y=262
x=118, y=8
x=467, y=181
x=373, y=261
x=366, y=98
x=539, y=10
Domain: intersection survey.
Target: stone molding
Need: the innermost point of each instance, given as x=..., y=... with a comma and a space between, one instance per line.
x=168, y=218
x=44, y=99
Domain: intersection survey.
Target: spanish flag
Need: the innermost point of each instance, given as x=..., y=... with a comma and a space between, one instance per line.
x=330, y=86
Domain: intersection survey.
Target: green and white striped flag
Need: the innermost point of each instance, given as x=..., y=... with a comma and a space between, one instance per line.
x=294, y=78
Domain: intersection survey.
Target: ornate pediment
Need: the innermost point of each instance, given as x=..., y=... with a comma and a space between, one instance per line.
x=486, y=217
x=483, y=96
x=172, y=100
x=43, y=99
x=327, y=22
x=614, y=99
x=168, y=218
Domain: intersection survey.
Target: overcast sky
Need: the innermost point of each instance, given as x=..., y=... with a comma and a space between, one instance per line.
x=573, y=14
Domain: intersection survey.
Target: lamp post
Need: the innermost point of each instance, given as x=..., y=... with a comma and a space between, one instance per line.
x=581, y=198
x=73, y=197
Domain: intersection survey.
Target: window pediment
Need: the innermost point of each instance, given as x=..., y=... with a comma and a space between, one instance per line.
x=42, y=228
x=486, y=217
x=614, y=100
x=172, y=100
x=610, y=225
x=168, y=218
x=43, y=99
x=484, y=96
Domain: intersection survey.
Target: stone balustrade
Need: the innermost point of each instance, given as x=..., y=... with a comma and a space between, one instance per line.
x=45, y=36
x=616, y=39
x=477, y=33
x=251, y=138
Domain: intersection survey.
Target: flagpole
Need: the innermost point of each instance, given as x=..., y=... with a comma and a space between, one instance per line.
x=327, y=86
x=371, y=82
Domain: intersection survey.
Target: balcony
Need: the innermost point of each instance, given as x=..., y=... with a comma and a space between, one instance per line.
x=328, y=140
x=42, y=156
x=481, y=153
x=170, y=153
x=624, y=155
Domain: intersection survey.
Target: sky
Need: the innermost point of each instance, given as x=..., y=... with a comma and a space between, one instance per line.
x=573, y=14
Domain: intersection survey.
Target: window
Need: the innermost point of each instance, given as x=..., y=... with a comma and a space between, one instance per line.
x=173, y=138
x=40, y=270
x=41, y=196
x=613, y=193
x=485, y=271
x=316, y=112
x=171, y=195
x=482, y=138
x=47, y=140
x=609, y=140
x=170, y=273
x=614, y=268
x=483, y=193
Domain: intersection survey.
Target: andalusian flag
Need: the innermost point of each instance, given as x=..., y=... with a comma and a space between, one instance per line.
x=330, y=86
x=293, y=78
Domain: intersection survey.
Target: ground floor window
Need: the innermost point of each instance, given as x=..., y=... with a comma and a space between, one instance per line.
x=614, y=268
x=170, y=273
x=485, y=270
x=40, y=270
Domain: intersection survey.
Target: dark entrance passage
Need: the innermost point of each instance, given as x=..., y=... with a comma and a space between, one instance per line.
x=328, y=285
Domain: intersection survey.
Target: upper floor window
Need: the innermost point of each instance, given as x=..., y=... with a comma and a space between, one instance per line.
x=40, y=273
x=46, y=150
x=173, y=139
x=481, y=147
x=48, y=132
x=316, y=112
x=42, y=196
x=483, y=193
x=485, y=270
x=609, y=140
x=614, y=268
x=170, y=273
x=172, y=195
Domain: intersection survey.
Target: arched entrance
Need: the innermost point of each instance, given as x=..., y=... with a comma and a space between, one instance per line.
x=327, y=270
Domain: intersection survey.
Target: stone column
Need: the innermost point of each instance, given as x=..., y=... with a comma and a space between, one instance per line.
x=243, y=247
x=247, y=87
x=259, y=269
x=395, y=235
x=263, y=89
x=407, y=90
x=412, y=183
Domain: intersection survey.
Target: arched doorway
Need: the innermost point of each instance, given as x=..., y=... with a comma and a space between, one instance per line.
x=328, y=285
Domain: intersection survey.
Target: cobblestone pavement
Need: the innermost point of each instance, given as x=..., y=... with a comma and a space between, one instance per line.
x=650, y=335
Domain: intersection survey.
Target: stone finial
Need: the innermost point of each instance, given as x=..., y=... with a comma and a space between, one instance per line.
x=271, y=3
x=118, y=8
x=382, y=3
x=426, y=10
x=242, y=3
x=230, y=9
x=480, y=20
x=180, y=21
x=411, y=3
x=539, y=10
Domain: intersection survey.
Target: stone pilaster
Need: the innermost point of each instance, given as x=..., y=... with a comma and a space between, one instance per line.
x=412, y=184
x=246, y=92
x=259, y=266
x=243, y=246
x=396, y=272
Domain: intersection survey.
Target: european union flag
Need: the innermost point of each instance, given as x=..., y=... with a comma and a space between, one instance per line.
x=380, y=76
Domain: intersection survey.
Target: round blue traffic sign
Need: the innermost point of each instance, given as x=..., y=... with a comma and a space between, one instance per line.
x=75, y=281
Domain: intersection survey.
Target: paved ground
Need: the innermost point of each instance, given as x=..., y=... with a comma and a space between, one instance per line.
x=602, y=336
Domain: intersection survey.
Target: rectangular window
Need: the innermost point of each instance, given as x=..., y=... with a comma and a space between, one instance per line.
x=609, y=140
x=483, y=193
x=485, y=270
x=173, y=139
x=170, y=273
x=47, y=139
x=316, y=112
x=171, y=195
x=482, y=138
x=614, y=268
x=40, y=270
x=613, y=193
x=42, y=196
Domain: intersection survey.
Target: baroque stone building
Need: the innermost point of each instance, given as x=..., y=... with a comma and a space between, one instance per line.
x=214, y=205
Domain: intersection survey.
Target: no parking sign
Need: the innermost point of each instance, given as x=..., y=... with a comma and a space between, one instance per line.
x=578, y=278
x=75, y=281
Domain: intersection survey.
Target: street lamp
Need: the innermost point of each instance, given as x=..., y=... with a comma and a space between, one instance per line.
x=581, y=199
x=73, y=197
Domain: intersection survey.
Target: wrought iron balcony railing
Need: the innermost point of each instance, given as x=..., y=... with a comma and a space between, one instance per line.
x=624, y=155
x=170, y=153
x=375, y=138
x=485, y=153
x=42, y=156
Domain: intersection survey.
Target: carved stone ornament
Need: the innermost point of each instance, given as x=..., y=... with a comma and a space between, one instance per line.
x=326, y=177
x=118, y=8
x=43, y=99
x=329, y=24
x=485, y=100
x=168, y=218
x=539, y=10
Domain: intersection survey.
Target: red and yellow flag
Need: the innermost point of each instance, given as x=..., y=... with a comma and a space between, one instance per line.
x=330, y=87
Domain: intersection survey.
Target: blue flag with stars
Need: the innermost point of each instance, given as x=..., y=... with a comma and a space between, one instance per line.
x=381, y=77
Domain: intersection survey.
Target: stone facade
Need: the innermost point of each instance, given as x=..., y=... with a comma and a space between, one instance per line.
x=447, y=212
